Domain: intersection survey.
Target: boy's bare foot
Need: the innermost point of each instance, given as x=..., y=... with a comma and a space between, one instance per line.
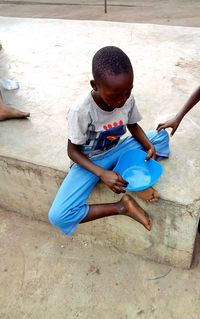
x=149, y=194
x=133, y=210
x=8, y=112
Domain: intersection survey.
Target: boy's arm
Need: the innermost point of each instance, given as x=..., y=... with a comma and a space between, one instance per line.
x=174, y=123
x=138, y=133
x=112, y=179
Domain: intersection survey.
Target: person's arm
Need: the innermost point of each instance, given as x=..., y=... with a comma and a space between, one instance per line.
x=112, y=179
x=174, y=123
x=138, y=133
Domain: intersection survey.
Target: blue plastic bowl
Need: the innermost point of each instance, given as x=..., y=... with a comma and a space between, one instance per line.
x=138, y=173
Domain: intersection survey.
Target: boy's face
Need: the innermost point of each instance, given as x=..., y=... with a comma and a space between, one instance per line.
x=115, y=90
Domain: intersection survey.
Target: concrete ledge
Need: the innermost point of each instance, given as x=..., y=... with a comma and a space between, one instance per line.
x=52, y=73
x=29, y=189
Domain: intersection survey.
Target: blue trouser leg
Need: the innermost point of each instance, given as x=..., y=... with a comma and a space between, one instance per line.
x=70, y=204
x=159, y=140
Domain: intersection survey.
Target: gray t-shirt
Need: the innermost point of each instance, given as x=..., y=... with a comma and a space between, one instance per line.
x=97, y=130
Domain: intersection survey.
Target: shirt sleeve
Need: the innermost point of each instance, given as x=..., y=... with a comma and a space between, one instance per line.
x=134, y=115
x=77, y=127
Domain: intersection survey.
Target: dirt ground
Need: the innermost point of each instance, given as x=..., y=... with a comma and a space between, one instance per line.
x=43, y=275
x=171, y=12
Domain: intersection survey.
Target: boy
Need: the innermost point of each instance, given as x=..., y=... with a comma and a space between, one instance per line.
x=95, y=124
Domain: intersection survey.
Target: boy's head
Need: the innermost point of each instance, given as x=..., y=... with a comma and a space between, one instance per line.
x=113, y=76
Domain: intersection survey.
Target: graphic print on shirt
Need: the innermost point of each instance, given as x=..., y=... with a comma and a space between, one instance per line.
x=104, y=140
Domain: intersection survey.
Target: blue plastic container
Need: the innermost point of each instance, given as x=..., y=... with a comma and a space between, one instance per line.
x=138, y=173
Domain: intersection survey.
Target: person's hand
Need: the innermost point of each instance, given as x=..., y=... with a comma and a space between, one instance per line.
x=173, y=123
x=114, y=181
x=151, y=153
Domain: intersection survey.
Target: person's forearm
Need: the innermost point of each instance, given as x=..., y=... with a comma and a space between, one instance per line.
x=192, y=101
x=138, y=133
x=81, y=159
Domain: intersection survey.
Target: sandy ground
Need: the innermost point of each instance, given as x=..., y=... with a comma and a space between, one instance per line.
x=44, y=275
x=171, y=12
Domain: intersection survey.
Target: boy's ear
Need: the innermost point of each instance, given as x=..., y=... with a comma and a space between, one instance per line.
x=93, y=85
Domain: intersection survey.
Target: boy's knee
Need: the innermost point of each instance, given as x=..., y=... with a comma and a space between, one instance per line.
x=161, y=133
x=158, y=137
x=54, y=217
x=164, y=135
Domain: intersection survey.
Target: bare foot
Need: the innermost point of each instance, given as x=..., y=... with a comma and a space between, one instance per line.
x=133, y=210
x=8, y=112
x=149, y=194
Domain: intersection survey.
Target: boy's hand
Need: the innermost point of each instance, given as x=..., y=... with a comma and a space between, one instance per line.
x=173, y=123
x=151, y=153
x=114, y=181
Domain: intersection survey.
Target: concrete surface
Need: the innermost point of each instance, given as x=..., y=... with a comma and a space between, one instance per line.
x=44, y=275
x=170, y=12
x=51, y=74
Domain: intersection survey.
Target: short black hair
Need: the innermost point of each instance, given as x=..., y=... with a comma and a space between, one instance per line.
x=110, y=60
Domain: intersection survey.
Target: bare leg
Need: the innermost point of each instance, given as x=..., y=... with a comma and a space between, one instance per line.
x=149, y=194
x=7, y=112
x=126, y=206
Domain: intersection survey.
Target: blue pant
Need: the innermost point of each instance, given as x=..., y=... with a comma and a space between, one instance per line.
x=70, y=204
